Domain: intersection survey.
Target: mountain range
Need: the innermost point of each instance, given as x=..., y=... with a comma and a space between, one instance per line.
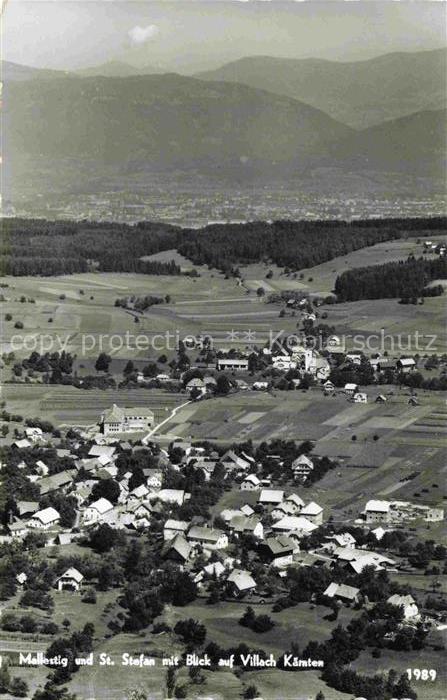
x=164, y=121
x=359, y=94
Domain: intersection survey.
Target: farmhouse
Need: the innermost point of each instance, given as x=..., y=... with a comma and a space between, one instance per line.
x=406, y=364
x=71, y=580
x=18, y=528
x=231, y=460
x=270, y=497
x=177, y=549
x=243, y=525
x=347, y=594
x=208, y=537
x=176, y=496
x=172, y=528
x=313, y=512
x=279, y=551
x=350, y=388
x=292, y=525
x=126, y=420
x=96, y=511
x=377, y=511
x=44, y=519
x=302, y=466
x=250, y=483
x=241, y=582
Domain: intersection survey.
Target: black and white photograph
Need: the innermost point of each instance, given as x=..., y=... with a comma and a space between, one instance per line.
x=223, y=361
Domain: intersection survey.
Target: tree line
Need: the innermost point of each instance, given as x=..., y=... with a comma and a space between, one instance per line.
x=41, y=247
x=405, y=279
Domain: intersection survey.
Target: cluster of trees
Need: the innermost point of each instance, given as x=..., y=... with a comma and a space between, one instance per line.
x=406, y=279
x=140, y=303
x=27, y=624
x=257, y=623
x=73, y=647
x=14, y=686
x=54, y=364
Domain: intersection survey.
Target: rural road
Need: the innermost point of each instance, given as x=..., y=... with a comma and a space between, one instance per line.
x=166, y=420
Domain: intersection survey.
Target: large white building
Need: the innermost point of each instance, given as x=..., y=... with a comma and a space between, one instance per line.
x=126, y=420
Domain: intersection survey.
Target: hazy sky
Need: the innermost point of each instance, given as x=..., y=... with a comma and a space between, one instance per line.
x=186, y=35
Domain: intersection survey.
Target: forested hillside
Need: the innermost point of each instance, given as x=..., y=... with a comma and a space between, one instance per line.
x=39, y=247
x=292, y=244
x=407, y=279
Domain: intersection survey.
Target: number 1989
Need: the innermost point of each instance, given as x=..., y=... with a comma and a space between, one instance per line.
x=421, y=674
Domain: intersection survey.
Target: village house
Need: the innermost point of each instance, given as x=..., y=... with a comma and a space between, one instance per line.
x=97, y=511
x=284, y=508
x=302, y=466
x=177, y=549
x=313, y=512
x=56, y=482
x=71, y=580
x=377, y=511
x=406, y=364
x=234, y=462
x=126, y=420
x=360, y=397
x=18, y=529
x=207, y=537
x=196, y=387
x=44, y=519
x=280, y=550
x=139, y=492
x=250, y=483
x=260, y=386
x=105, y=452
x=350, y=388
x=342, y=540
x=294, y=526
x=173, y=496
x=154, y=478
x=27, y=508
x=243, y=525
x=270, y=497
x=408, y=605
x=240, y=583
x=172, y=528
x=340, y=591
x=283, y=362
x=34, y=434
